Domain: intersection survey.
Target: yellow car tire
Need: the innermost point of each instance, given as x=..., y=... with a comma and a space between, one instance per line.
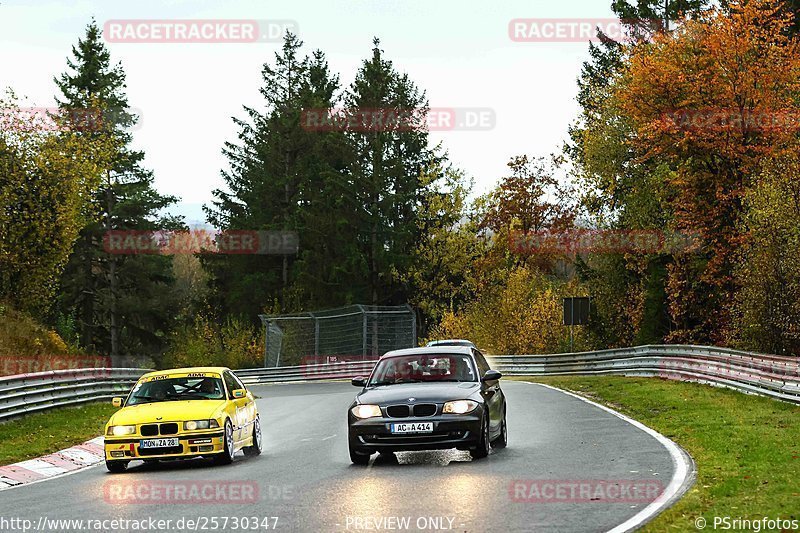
x=226, y=457
x=255, y=449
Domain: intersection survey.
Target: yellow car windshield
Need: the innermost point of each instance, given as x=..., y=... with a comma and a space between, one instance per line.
x=168, y=389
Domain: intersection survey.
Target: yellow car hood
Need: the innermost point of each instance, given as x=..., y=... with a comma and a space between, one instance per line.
x=174, y=411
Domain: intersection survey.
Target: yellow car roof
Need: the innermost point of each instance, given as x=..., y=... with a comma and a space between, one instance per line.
x=196, y=369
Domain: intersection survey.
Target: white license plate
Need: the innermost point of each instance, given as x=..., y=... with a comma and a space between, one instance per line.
x=158, y=443
x=413, y=427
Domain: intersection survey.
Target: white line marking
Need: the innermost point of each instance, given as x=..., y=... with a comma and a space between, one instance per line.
x=327, y=438
x=81, y=456
x=679, y=478
x=29, y=483
x=41, y=467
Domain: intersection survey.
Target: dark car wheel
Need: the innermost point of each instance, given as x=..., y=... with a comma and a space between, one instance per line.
x=255, y=449
x=482, y=449
x=501, y=441
x=358, y=458
x=226, y=457
x=117, y=467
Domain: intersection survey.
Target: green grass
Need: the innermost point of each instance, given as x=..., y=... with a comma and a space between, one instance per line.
x=747, y=448
x=50, y=431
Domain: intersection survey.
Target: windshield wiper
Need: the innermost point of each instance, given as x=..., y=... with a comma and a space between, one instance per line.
x=379, y=384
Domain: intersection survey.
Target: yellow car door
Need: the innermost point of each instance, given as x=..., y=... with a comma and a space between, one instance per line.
x=250, y=409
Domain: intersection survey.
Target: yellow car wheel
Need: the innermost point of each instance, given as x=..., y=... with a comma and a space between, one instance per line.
x=226, y=457
x=255, y=449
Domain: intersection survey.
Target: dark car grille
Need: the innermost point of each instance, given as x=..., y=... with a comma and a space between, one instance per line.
x=151, y=430
x=425, y=409
x=405, y=411
x=169, y=429
x=398, y=411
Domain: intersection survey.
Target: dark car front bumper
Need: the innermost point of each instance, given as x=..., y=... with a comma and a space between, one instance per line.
x=449, y=431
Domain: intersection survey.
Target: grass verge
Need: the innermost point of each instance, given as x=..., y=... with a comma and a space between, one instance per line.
x=747, y=448
x=42, y=433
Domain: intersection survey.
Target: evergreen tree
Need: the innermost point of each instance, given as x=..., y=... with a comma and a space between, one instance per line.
x=286, y=177
x=386, y=172
x=121, y=304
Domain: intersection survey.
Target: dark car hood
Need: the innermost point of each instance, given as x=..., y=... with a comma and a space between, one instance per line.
x=422, y=392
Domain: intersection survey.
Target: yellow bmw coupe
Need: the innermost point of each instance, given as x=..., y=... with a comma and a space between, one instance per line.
x=183, y=413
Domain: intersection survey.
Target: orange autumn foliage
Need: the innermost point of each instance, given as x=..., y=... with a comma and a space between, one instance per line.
x=713, y=99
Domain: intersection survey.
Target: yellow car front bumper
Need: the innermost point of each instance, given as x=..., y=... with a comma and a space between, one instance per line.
x=194, y=445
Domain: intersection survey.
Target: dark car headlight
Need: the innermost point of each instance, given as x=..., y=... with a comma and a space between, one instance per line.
x=191, y=425
x=459, y=407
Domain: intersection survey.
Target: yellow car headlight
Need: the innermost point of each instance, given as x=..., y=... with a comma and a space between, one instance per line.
x=119, y=431
x=191, y=425
x=460, y=407
x=366, y=411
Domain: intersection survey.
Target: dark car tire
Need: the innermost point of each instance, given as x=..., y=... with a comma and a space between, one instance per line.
x=501, y=441
x=358, y=458
x=226, y=457
x=255, y=449
x=482, y=449
x=117, y=467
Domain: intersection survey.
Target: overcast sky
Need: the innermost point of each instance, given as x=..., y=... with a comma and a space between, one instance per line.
x=459, y=52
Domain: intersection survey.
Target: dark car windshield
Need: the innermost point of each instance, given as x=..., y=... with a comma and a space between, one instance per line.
x=423, y=368
x=178, y=388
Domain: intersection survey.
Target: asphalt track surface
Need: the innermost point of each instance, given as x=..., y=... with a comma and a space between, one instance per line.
x=304, y=476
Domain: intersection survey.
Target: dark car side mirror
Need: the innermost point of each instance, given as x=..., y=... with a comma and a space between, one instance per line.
x=359, y=382
x=491, y=375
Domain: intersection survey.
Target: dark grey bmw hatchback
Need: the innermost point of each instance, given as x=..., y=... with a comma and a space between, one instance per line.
x=428, y=398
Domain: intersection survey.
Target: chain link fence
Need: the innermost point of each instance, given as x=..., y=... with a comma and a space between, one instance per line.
x=353, y=333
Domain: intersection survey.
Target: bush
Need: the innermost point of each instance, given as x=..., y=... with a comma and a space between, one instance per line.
x=521, y=316
x=234, y=344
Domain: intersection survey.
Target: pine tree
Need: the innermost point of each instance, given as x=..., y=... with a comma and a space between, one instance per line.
x=386, y=172
x=122, y=303
x=285, y=177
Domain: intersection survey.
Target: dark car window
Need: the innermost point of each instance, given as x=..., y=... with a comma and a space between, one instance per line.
x=483, y=366
x=230, y=382
x=423, y=368
x=179, y=388
x=239, y=384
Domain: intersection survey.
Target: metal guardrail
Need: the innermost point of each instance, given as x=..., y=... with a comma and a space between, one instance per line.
x=769, y=375
x=305, y=372
x=29, y=393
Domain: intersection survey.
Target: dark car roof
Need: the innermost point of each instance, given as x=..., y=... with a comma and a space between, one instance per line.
x=465, y=350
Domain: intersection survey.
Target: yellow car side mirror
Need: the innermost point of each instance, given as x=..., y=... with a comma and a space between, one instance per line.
x=116, y=402
x=239, y=393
